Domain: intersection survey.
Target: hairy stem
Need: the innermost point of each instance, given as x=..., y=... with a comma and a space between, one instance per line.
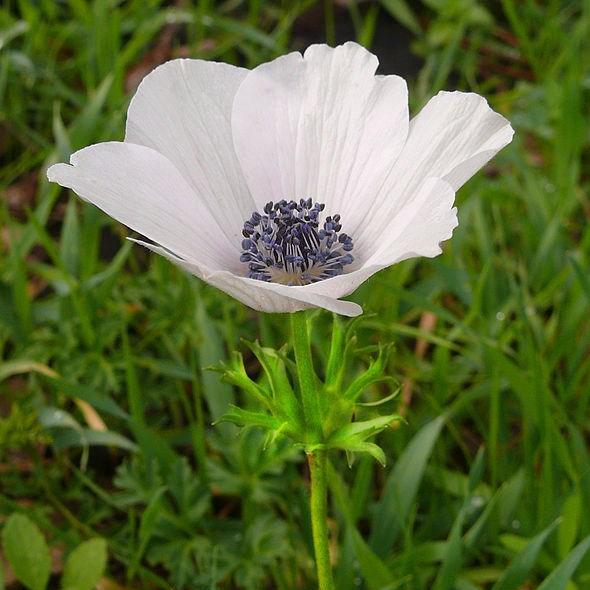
x=319, y=518
x=307, y=378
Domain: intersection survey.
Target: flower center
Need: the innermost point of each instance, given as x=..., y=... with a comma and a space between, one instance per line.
x=286, y=245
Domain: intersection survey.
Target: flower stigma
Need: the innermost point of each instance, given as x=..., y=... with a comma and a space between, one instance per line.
x=286, y=245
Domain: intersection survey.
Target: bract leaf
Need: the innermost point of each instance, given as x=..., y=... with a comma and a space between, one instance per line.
x=243, y=417
x=362, y=430
x=286, y=403
x=234, y=372
x=374, y=374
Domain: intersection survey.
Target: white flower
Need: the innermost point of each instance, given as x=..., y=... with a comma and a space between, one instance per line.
x=207, y=144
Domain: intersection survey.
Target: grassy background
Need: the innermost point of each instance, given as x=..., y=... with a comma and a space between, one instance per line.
x=105, y=404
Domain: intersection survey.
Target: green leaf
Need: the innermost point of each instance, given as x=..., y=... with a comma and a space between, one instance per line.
x=358, y=431
x=234, y=372
x=147, y=527
x=17, y=367
x=374, y=374
x=134, y=397
x=567, y=532
x=153, y=444
x=401, y=487
x=73, y=437
x=218, y=395
x=498, y=510
x=274, y=367
x=581, y=274
x=560, y=576
x=447, y=575
x=365, y=447
x=242, y=417
x=449, y=571
x=352, y=437
x=517, y=572
x=100, y=401
x=376, y=574
x=400, y=10
x=84, y=128
x=85, y=565
x=336, y=357
x=69, y=246
x=27, y=552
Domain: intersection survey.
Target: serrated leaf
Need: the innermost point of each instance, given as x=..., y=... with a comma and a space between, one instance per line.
x=85, y=565
x=274, y=367
x=359, y=431
x=27, y=552
x=352, y=437
x=372, y=449
x=374, y=374
x=242, y=417
x=234, y=372
x=147, y=526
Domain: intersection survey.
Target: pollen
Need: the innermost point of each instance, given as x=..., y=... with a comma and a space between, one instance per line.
x=285, y=244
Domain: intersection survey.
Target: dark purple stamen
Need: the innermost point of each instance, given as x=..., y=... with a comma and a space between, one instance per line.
x=286, y=245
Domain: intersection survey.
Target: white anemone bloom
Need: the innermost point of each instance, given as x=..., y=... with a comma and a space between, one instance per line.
x=249, y=178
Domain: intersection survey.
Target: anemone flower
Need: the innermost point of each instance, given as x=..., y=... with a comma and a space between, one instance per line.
x=288, y=185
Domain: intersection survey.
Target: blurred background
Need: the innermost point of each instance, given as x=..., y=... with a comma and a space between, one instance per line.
x=106, y=404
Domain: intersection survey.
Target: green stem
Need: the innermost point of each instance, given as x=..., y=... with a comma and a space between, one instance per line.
x=319, y=518
x=307, y=378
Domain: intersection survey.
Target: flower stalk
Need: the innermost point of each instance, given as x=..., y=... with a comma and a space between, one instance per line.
x=317, y=462
x=317, y=414
x=312, y=408
x=310, y=394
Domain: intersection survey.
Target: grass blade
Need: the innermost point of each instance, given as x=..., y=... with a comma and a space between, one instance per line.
x=561, y=575
x=520, y=567
x=401, y=487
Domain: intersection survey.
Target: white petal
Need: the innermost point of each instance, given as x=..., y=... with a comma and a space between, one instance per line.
x=141, y=188
x=453, y=136
x=320, y=126
x=276, y=298
x=417, y=230
x=183, y=110
x=267, y=297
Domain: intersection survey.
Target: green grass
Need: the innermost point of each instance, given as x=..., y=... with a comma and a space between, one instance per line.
x=488, y=484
